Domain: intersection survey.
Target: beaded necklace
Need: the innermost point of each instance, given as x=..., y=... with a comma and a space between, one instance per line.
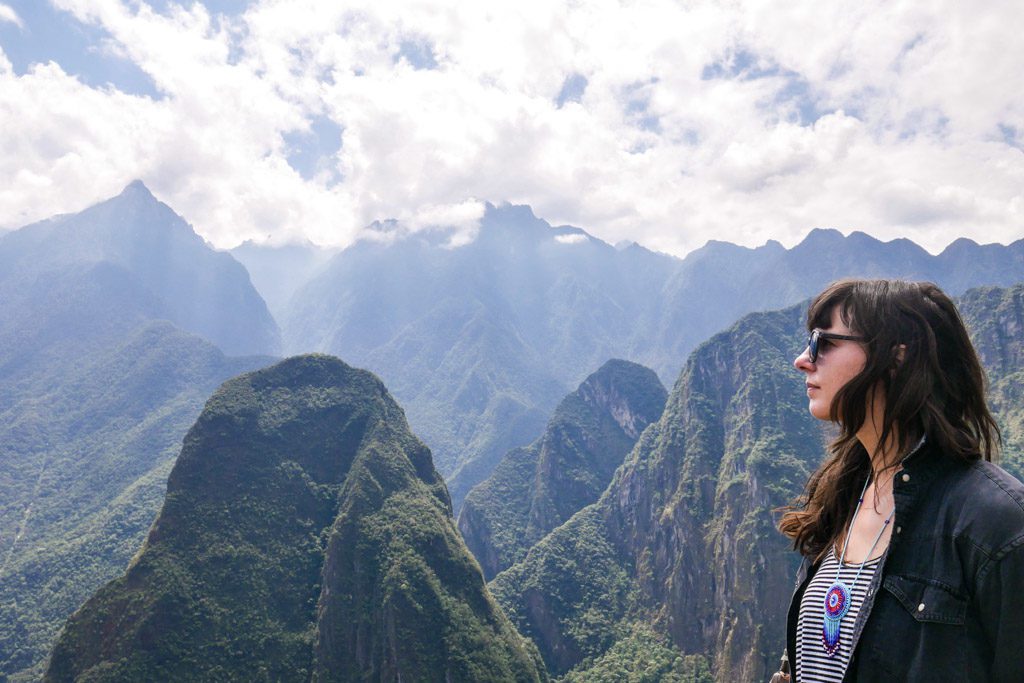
x=837, y=598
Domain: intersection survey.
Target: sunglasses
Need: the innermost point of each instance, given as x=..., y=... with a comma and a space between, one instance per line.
x=818, y=335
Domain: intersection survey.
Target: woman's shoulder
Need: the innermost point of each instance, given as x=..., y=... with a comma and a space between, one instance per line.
x=990, y=504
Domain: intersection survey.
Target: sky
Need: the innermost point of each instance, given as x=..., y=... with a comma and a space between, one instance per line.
x=664, y=123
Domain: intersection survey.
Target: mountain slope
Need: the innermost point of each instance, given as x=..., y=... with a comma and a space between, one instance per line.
x=198, y=289
x=305, y=533
x=84, y=453
x=686, y=523
x=537, y=488
x=97, y=390
x=995, y=317
x=479, y=342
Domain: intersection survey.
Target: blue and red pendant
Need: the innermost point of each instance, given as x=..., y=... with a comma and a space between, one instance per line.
x=837, y=604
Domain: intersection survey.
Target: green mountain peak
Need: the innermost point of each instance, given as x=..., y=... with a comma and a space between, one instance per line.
x=305, y=533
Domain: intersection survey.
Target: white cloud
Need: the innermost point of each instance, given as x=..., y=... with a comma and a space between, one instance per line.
x=743, y=122
x=8, y=14
x=574, y=238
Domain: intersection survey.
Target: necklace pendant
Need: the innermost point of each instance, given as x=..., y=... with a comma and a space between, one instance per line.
x=837, y=604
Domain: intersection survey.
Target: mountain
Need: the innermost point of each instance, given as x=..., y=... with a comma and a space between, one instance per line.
x=305, y=534
x=481, y=341
x=278, y=272
x=478, y=342
x=197, y=288
x=97, y=389
x=995, y=317
x=88, y=438
x=536, y=488
x=682, y=541
x=679, y=560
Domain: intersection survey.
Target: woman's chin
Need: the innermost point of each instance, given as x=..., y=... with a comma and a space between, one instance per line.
x=818, y=410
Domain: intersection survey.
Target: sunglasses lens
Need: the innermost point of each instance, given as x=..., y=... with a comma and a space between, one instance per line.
x=812, y=347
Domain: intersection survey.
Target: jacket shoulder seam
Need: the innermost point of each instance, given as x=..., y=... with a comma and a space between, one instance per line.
x=1002, y=487
x=999, y=555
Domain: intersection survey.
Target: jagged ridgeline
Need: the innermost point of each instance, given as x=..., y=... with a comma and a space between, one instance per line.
x=305, y=535
x=537, y=488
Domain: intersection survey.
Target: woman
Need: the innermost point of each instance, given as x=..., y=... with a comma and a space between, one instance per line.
x=913, y=541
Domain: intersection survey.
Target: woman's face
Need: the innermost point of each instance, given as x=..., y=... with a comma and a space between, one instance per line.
x=838, y=362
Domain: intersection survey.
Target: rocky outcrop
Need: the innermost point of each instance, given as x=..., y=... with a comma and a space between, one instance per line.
x=537, y=488
x=688, y=517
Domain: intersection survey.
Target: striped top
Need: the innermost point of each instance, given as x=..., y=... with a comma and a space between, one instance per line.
x=813, y=665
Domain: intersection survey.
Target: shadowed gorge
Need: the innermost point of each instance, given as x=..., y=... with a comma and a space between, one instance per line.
x=305, y=534
x=537, y=488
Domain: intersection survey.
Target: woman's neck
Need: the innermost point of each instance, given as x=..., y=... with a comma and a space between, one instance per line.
x=883, y=456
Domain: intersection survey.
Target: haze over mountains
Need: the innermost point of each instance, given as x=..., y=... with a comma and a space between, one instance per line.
x=479, y=342
x=101, y=372
x=117, y=324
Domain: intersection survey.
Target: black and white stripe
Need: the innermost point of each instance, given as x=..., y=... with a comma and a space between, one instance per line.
x=813, y=665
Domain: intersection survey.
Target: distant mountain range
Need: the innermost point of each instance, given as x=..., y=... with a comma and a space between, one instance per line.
x=480, y=342
x=118, y=322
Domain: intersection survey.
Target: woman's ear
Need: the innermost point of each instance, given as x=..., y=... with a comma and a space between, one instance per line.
x=901, y=352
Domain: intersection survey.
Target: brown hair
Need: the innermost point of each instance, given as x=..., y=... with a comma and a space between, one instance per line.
x=919, y=352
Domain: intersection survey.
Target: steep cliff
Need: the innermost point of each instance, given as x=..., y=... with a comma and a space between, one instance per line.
x=995, y=317
x=305, y=534
x=537, y=488
x=682, y=540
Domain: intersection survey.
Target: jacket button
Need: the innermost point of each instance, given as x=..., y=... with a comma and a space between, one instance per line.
x=905, y=477
x=920, y=608
x=899, y=530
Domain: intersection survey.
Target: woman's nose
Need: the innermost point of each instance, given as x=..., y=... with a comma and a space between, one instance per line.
x=803, y=361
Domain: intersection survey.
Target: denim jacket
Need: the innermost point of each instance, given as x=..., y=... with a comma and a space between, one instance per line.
x=947, y=600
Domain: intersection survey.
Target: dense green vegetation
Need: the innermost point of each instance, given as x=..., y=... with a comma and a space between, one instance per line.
x=97, y=390
x=995, y=317
x=641, y=656
x=685, y=531
x=305, y=533
x=83, y=469
x=537, y=488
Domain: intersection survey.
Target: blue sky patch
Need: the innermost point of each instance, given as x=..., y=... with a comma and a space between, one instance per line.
x=419, y=54
x=638, y=101
x=572, y=89
x=797, y=95
x=742, y=64
x=1011, y=136
x=230, y=8
x=51, y=35
x=794, y=101
x=311, y=151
